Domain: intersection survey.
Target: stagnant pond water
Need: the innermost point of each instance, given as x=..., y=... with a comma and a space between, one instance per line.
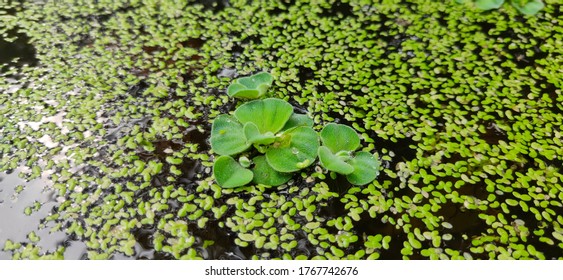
x=26, y=205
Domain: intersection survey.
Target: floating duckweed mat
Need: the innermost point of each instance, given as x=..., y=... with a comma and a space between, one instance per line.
x=107, y=109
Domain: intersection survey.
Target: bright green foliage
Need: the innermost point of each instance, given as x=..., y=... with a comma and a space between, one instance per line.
x=260, y=123
x=253, y=135
x=334, y=162
x=337, y=154
x=266, y=175
x=464, y=107
x=227, y=136
x=294, y=150
x=526, y=7
x=269, y=115
x=230, y=174
x=298, y=120
x=288, y=141
x=488, y=4
x=251, y=87
x=366, y=168
x=339, y=137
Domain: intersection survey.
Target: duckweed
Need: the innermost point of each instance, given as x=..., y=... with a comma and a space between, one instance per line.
x=462, y=107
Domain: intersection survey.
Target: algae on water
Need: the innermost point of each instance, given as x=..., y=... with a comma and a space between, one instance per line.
x=463, y=107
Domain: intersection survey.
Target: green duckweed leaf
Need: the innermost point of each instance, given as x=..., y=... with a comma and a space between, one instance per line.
x=488, y=4
x=297, y=120
x=339, y=137
x=528, y=8
x=269, y=115
x=230, y=174
x=266, y=175
x=366, y=168
x=251, y=87
x=294, y=150
x=227, y=136
x=333, y=162
x=253, y=135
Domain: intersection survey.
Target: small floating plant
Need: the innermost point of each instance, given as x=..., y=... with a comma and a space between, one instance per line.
x=526, y=7
x=283, y=141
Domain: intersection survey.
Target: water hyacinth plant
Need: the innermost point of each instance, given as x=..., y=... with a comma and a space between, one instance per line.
x=337, y=154
x=251, y=87
x=526, y=7
x=263, y=124
x=284, y=142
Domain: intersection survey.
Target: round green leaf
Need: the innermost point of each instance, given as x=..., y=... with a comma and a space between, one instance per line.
x=240, y=91
x=256, y=80
x=269, y=115
x=254, y=136
x=488, y=4
x=530, y=8
x=339, y=137
x=333, y=162
x=266, y=175
x=297, y=120
x=294, y=150
x=251, y=87
x=227, y=136
x=230, y=174
x=366, y=168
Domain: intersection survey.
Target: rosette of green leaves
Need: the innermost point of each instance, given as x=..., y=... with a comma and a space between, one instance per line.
x=488, y=4
x=337, y=154
x=286, y=139
x=251, y=87
x=526, y=7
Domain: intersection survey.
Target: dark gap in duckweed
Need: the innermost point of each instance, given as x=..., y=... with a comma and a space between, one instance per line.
x=338, y=9
x=333, y=209
x=305, y=74
x=519, y=55
x=138, y=89
x=85, y=40
x=213, y=5
x=194, y=43
x=442, y=18
x=13, y=203
x=251, y=39
x=236, y=51
x=394, y=42
x=224, y=247
x=551, y=90
x=404, y=148
x=493, y=133
x=339, y=184
x=144, y=236
x=285, y=5
x=19, y=49
x=100, y=16
x=530, y=221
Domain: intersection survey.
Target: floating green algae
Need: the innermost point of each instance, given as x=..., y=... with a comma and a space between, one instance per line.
x=463, y=107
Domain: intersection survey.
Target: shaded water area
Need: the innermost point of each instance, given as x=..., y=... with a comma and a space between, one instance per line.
x=106, y=114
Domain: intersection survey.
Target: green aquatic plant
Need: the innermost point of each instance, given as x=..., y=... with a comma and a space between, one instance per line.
x=229, y=173
x=251, y=87
x=285, y=142
x=526, y=7
x=337, y=154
